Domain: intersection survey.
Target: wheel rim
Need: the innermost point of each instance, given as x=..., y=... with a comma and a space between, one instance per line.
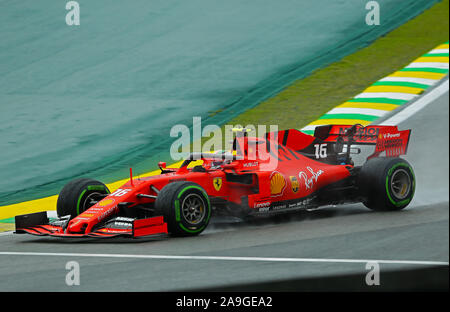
x=91, y=197
x=400, y=183
x=193, y=208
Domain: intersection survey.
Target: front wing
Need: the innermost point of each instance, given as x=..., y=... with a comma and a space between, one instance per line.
x=39, y=224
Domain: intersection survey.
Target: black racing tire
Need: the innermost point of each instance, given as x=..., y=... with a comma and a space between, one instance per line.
x=386, y=184
x=76, y=196
x=185, y=207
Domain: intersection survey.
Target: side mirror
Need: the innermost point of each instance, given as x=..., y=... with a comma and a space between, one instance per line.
x=162, y=165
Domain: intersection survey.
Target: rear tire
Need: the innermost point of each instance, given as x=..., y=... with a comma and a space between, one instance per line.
x=185, y=207
x=76, y=196
x=386, y=183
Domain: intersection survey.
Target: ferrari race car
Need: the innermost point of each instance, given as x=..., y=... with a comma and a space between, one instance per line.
x=279, y=172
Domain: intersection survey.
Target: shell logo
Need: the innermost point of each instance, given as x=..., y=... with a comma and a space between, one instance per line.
x=277, y=183
x=105, y=202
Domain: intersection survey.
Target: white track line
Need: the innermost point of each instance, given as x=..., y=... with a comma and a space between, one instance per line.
x=435, y=51
x=428, y=64
x=389, y=95
x=309, y=127
x=221, y=258
x=418, y=105
x=428, y=82
x=357, y=110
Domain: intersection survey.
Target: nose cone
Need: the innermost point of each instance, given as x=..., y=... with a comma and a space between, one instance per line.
x=77, y=226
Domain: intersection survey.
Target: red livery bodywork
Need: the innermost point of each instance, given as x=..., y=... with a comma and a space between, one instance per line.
x=282, y=171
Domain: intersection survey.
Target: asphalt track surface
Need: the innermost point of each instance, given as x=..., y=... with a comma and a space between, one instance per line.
x=231, y=252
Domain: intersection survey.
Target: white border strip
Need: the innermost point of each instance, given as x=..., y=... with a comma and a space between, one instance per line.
x=428, y=64
x=438, y=51
x=357, y=110
x=389, y=95
x=425, y=81
x=220, y=258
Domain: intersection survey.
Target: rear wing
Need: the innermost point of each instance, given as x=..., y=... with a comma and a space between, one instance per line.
x=387, y=139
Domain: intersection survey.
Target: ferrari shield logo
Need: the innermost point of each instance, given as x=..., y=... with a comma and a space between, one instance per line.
x=217, y=182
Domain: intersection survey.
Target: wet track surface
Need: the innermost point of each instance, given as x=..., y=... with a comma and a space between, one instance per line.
x=420, y=232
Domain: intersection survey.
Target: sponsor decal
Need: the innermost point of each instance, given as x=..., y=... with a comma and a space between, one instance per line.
x=106, y=202
x=261, y=205
x=121, y=225
x=310, y=177
x=250, y=164
x=391, y=142
x=389, y=135
x=80, y=218
x=302, y=204
x=362, y=134
x=294, y=184
x=217, y=182
x=279, y=207
x=124, y=219
x=277, y=184
x=95, y=209
x=114, y=230
x=87, y=214
x=107, y=213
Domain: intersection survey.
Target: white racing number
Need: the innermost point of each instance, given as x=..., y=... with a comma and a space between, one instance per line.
x=120, y=192
x=321, y=150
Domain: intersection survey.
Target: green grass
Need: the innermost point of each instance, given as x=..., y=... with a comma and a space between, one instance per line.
x=307, y=99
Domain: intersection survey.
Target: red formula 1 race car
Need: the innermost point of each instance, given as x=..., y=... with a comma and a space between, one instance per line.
x=279, y=172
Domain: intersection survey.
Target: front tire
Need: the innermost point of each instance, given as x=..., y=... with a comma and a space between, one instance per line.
x=387, y=183
x=185, y=207
x=77, y=195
